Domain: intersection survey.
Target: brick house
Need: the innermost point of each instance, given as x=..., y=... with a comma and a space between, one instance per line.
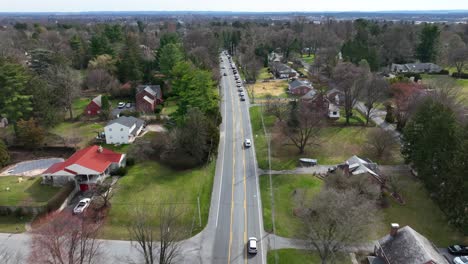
x=299, y=87
x=94, y=107
x=148, y=97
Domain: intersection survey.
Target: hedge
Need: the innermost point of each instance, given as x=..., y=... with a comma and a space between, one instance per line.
x=462, y=75
x=56, y=201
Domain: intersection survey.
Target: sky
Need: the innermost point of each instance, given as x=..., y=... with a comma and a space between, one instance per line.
x=228, y=5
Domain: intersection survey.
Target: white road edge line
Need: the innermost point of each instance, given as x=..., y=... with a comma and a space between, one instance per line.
x=222, y=160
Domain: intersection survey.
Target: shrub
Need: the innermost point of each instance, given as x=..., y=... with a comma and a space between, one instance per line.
x=130, y=162
x=19, y=212
x=442, y=72
x=122, y=171
x=4, y=155
x=158, y=109
x=462, y=75
x=416, y=76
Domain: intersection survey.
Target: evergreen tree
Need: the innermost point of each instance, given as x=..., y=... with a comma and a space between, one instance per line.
x=169, y=56
x=100, y=45
x=129, y=65
x=4, y=155
x=427, y=49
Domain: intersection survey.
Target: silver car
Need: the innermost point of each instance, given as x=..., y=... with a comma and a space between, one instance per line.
x=81, y=206
x=252, y=245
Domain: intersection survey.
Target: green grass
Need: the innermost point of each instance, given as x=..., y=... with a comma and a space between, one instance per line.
x=357, y=119
x=308, y=59
x=264, y=74
x=421, y=213
x=148, y=184
x=286, y=199
x=78, y=106
x=13, y=224
x=462, y=84
x=170, y=107
x=336, y=144
x=30, y=192
x=296, y=256
x=83, y=132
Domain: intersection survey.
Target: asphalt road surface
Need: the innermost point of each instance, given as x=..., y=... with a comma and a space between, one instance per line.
x=239, y=213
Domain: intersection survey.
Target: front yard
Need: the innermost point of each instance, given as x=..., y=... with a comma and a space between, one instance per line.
x=308, y=59
x=275, y=88
x=419, y=212
x=296, y=256
x=148, y=184
x=336, y=144
x=461, y=84
x=75, y=133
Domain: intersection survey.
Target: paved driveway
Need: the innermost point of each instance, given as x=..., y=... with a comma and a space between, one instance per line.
x=31, y=168
x=116, y=111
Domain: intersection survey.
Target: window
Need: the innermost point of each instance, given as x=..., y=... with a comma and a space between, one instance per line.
x=121, y=129
x=110, y=137
x=334, y=113
x=110, y=129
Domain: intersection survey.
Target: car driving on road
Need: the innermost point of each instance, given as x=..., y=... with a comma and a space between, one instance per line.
x=81, y=206
x=247, y=143
x=252, y=245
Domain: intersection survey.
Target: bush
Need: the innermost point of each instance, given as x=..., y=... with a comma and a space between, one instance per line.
x=130, y=113
x=158, y=109
x=130, y=162
x=19, y=212
x=416, y=76
x=462, y=75
x=122, y=171
x=442, y=72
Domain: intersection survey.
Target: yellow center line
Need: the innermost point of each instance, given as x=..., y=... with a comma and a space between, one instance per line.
x=233, y=173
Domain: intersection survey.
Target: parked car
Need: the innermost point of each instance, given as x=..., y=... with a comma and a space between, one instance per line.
x=242, y=98
x=242, y=94
x=121, y=105
x=238, y=85
x=239, y=89
x=461, y=260
x=128, y=105
x=225, y=74
x=458, y=249
x=332, y=169
x=222, y=67
x=252, y=245
x=81, y=206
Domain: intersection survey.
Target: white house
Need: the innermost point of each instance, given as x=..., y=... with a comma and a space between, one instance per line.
x=333, y=111
x=123, y=130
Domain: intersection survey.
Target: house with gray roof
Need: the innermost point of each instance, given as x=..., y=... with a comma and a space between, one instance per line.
x=299, y=87
x=123, y=130
x=282, y=71
x=355, y=166
x=405, y=245
x=416, y=68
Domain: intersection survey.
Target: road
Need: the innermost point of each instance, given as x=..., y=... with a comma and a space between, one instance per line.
x=239, y=214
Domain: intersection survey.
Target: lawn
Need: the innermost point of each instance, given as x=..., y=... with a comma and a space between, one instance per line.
x=419, y=212
x=264, y=74
x=357, y=119
x=308, y=59
x=79, y=133
x=147, y=184
x=13, y=224
x=348, y=140
x=275, y=88
x=296, y=256
x=78, y=106
x=289, y=190
x=462, y=84
x=29, y=192
x=170, y=107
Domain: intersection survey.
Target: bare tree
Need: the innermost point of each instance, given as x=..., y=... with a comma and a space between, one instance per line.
x=458, y=54
x=335, y=219
x=302, y=127
x=101, y=80
x=66, y=239
x=157, y=243
x=374, y=91
x=276, y=107
x=104, y=192
x=380, y=142
x=66, y=84
x=350, y=79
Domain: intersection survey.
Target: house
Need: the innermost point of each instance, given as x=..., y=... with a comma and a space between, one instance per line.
x=148, y=97
x=86, y=168
x=94, y=107
x=274, y=57
x=299, y=87
x=405, y=245
x=123, y=130
x=335, y=96
x=282, y=71
x=364, y=167
x=415, y=68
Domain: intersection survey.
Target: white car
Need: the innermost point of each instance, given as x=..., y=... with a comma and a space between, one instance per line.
x=247, y=143
x=461, y=260
x=121, y=105
x=242, y=94
x=252, y=245
x=128, y=105
x=81, y=206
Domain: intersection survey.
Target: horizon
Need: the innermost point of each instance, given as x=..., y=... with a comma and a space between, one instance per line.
x=240, y=6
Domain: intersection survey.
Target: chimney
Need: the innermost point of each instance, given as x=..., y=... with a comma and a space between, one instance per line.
x=346, y=168
x=394, y=229
x=100, y=149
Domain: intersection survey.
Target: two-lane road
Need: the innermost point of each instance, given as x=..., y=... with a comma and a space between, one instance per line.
x=239, y=213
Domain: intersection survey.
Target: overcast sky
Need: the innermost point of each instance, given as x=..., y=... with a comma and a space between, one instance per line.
x=228, y=5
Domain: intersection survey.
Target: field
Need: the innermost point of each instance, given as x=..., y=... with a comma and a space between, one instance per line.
x=149, y=184
x=29, y=192
x=79, y=133
x=264, y=74
x=288, y=190
x=296, y=256
x=336, y=144
x=276, y=88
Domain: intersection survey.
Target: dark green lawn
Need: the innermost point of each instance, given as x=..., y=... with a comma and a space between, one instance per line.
x=289, y=190
x=30, y=192
x=308, y=59
x=148, y=184
x=296, y=256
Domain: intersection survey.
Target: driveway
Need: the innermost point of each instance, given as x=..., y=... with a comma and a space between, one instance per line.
x=30, y=168
x=116, y=111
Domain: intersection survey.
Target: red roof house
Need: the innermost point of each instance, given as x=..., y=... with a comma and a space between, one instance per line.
x=86, y=167
x=148, y=97
x=94, y=107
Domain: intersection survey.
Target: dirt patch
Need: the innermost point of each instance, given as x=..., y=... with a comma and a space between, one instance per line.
x=275, y=88
x=21, y=154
